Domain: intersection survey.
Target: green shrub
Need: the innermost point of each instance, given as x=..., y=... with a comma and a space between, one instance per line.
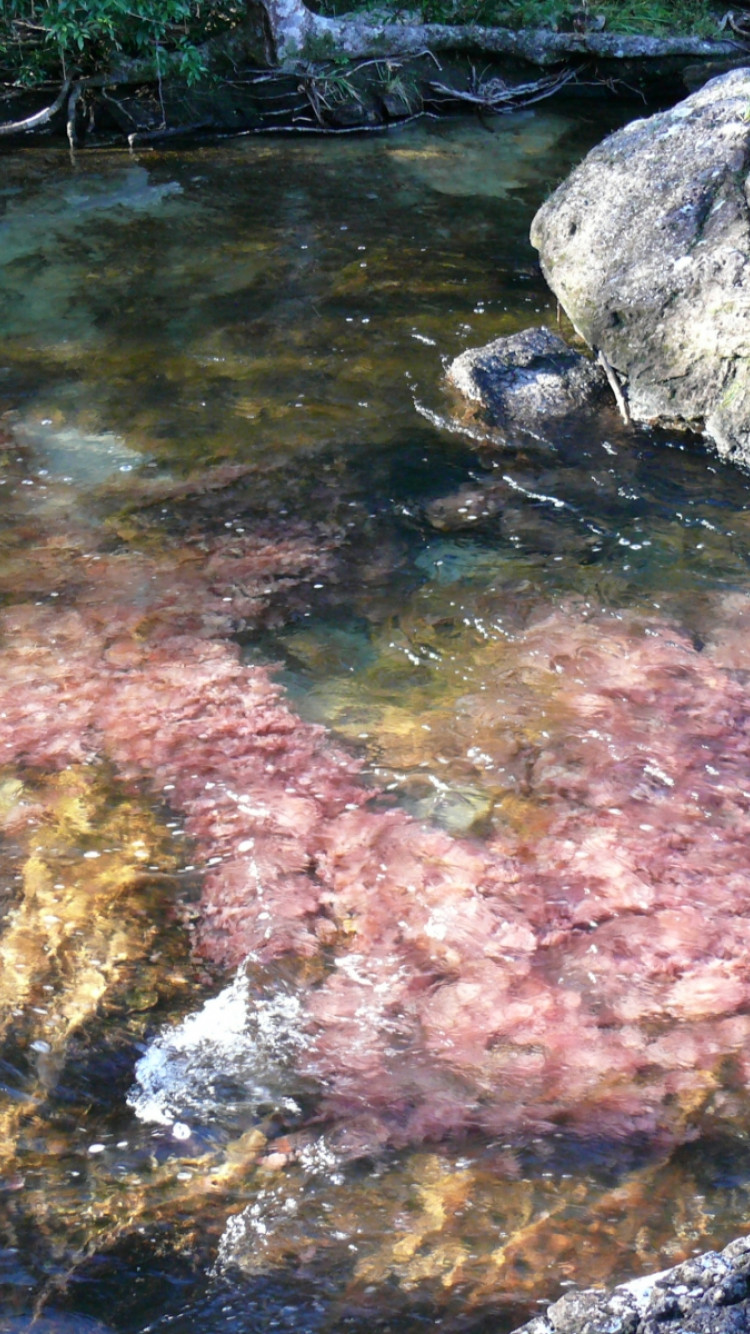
x=42, y=39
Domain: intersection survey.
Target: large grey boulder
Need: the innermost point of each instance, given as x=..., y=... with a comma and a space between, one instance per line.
x=647, y=247
x=707, y=1295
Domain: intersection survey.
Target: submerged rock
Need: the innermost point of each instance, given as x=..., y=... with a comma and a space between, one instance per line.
x=528, y=379
x=647, y=247
x=707, y=1295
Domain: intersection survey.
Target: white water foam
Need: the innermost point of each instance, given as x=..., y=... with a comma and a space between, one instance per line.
x=235, y=1051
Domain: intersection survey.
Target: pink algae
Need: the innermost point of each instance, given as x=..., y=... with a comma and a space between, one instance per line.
x=140, y=671
x=590, y=971
x=594, y=974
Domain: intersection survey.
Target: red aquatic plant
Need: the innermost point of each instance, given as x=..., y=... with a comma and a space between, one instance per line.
x=595, y=975
x=589, y=970
x=140, y=671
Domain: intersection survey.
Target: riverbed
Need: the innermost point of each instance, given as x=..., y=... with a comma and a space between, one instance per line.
x=372, y=798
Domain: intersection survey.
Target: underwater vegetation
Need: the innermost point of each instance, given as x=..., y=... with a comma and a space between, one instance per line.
x=584, y=964
x=585, y=968
x=570, y=965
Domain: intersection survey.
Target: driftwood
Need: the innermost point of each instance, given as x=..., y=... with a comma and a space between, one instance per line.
x=496, y=95
x=336, y=129
x=320, y=98
x=614, y=385
x=40, y=118
x=75, y=86
x=137, y=137
x=75, y=97
x=739, y=23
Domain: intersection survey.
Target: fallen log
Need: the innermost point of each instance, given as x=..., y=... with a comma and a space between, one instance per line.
x=496, y=95
x=295, y=30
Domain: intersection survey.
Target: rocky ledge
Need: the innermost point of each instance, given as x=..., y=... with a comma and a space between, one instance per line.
x=707, y=1295
x=647, y=247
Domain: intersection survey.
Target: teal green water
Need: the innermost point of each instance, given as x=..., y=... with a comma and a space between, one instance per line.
x=267, y=297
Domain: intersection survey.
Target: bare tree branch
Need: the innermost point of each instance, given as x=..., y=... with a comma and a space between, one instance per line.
x=40, y=117
x=495, y=95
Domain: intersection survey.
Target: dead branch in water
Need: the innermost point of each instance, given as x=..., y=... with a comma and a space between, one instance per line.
x=301, y=42
x=496, y=95
x=73, y=100
x=40, y=118
x=614, y=385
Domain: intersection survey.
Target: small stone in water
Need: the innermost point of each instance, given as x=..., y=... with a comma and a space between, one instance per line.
x=273, y=1162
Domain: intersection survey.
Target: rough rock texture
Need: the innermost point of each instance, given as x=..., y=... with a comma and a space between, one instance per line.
x=526, y=379
x=647, y=246
x=708, y=1295
x=291, y=25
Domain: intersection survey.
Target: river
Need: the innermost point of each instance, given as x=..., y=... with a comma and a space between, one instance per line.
x=440, y=743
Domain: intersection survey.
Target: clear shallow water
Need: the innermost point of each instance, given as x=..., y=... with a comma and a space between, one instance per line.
x=247, y=342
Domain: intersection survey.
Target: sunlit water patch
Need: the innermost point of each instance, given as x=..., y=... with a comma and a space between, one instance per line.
x=454, y=160
x=227, y=446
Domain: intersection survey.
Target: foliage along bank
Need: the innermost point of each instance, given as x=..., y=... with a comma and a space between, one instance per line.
x=156, y=67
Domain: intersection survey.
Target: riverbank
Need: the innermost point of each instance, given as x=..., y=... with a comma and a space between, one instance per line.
x=351, y=78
